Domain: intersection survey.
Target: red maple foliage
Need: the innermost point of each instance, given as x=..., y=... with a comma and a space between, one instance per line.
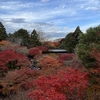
x=66, y=56
x=42, y=48
x=67, y=84
x=23, y=61
x=23, y=76
x=11, y=59
x=34, y=51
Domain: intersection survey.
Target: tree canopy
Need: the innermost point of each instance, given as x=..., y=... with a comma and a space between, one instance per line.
x=88, y=41
x=22, y=37
x=3, y=34
x=71, y=40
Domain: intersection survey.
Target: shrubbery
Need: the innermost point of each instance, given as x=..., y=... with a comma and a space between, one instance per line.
x=68, y=84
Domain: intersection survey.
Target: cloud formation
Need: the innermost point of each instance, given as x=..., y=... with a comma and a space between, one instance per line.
x=17, y=20
x=45, y=0
x=55, y=17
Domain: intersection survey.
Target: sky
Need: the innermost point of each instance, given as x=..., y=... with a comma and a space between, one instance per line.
x=55, y=18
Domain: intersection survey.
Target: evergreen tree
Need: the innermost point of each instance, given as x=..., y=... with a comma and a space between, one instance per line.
x=34, y=39
x=71, y=40
x=3, y=34
x=87, y=42
x=69, y=43
x=22, y=37
x=76, y=34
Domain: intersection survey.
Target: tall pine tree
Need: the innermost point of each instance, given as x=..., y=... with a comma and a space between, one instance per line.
x=71, y=40
x=34, y=39
x=76, y=34
x=3, y=34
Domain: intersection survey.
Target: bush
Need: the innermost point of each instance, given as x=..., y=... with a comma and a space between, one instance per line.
x=48, y=62
x=17, y=80
x=11, y=60
x=68, y=84
x=34, y=51
x=66, y=56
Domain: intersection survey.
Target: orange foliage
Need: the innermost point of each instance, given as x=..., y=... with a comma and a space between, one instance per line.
x=48, y=61
x=49, y=65
x=4, y=42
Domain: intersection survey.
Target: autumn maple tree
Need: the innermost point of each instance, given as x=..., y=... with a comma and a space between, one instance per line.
x=48, y=62
x=66, y=56
x=11, y=60
x=34, y=51
x=67, y=84
x=17, y=80
x=42, y=48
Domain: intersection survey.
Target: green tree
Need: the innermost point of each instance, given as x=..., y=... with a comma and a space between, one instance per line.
x=87, y=42
x=34, y=39
x=22, y=37
x=76, y=35
x=69, y=43
x=71, y=40
x=3, y=34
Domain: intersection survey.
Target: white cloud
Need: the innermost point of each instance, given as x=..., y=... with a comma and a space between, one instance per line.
x=89, y=4
x=93, y=2
x=91, y=8
x=16, y=5
x=45, y=0
x=30, y=16
x=85, y=27
x=13, y=6
x=64, y=6
x=55, y=18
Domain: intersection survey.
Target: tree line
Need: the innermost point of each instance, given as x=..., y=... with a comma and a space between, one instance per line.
x=21, y=37
x=83, y=43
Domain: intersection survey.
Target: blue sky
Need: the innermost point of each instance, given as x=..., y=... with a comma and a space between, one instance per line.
x=56, y=18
